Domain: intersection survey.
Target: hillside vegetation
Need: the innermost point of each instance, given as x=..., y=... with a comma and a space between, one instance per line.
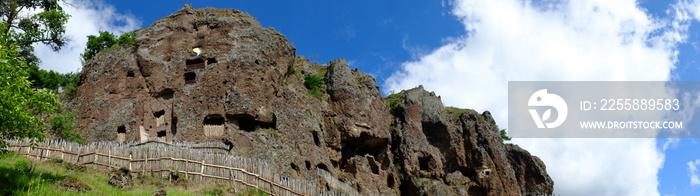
x=20, y=175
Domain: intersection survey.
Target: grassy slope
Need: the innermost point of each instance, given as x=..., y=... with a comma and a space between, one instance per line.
x=20, y=175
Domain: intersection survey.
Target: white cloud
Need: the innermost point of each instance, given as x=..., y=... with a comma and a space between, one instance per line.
x=577, y=40
x=692, y=169
x=87, y=18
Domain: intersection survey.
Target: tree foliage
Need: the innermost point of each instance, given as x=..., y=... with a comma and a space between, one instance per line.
x=63, y=125
x=504, y=135
x=26, y=22
x=54, y=81
x=105, y=40
x=21, y=106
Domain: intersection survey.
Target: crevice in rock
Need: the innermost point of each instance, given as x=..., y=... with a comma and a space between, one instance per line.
x=408, y=188
x=165, y=94
x=294, y=166
x=373, y=165
x=316, y=140
x=390, y=181
x=173, y=125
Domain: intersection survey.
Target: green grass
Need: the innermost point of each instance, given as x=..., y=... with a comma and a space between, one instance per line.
x=253, y=192
x=20, y=175
x=456, y=112
x=393, y=100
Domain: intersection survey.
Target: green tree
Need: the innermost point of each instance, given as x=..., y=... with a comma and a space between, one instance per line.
x=27, y=22
x=63, y=125
x=21, y=106
x=45, y=79
x=504, y=135
x=105, y=40
x=70, y=85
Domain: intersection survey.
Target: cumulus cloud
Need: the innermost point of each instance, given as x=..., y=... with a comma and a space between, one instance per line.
x=692, y=169
x=576, y=40
x=87, y=18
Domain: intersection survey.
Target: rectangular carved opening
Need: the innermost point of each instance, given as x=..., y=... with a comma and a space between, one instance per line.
x=214, y=125
x=160, y=117
x=190, y=78
x=121, y=134
x=197, y=63
x=162, y=134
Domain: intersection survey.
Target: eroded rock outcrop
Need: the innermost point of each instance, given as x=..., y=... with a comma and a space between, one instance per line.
x=246, y=88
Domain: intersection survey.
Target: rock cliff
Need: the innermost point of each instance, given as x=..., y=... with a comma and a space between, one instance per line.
x=246, y=88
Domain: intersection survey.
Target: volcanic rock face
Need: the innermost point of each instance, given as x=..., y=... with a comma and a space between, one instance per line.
x=246, y=88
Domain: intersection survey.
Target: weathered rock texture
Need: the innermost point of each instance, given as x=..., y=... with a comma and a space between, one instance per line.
x=247, y=89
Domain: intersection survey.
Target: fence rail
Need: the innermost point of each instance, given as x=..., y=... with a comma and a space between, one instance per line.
x=196, y=161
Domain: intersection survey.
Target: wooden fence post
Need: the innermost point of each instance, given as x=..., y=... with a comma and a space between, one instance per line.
x=130, y=159
x=201, y=172
x=70, y=149
x=94, y=162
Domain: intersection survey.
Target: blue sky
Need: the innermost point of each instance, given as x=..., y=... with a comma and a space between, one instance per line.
x=466, y=51
x=374, y=38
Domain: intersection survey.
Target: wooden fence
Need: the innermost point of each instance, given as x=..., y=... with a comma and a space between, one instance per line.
x=206, y=161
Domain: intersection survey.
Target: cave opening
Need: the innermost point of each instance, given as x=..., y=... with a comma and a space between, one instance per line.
x=121, y=134
x=247, y=122
x=158, y=114
x=364, y=145
x=408, y=188
x=316, y=140
x=214, y=119
x=211, y=60
x=173, y=125
x=390, y=180
x=323, y=167
x=424, y=163
x=437, y=134
x=160, y=117
x=165, y=94
x=190, y=78
x=121, y=129
x=197, y=63
x=130, y=73
x=162, y=134
x=294, y=166
x=214, y=125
